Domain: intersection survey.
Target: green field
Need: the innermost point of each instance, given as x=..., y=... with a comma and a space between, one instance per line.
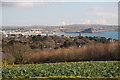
x=94, y=69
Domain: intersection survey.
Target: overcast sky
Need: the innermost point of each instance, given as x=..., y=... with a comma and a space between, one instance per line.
x=56, y=13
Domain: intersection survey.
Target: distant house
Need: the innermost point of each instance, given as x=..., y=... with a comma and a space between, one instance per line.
x=50, y=34
x=4, y=35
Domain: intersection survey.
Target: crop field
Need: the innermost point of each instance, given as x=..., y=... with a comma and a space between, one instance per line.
x=94, y=69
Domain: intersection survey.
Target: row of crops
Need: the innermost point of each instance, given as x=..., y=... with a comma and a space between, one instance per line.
x=66, y=79
x=73, y=69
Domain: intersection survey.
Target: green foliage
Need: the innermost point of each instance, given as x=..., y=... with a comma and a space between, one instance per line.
x=13, y=41
x=54, y=41
x=67, y=43
x=77, y=43
x=41, y=46
x=103, y=40
x=90, y=38
x=4, y=44
x=39, y=38
x=82, y=69
x=45, y=38
x=36, y=38
x=33, y=47
x=80, y=37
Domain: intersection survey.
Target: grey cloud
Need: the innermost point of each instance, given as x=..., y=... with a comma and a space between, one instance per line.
x=23, y=4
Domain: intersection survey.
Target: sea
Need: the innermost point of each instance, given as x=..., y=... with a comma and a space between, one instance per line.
x=113, y=35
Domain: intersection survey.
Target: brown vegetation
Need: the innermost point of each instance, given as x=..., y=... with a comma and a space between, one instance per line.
x=17, y=53
x=20, y=53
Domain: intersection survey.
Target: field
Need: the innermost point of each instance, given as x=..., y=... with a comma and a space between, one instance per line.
x=94, y=69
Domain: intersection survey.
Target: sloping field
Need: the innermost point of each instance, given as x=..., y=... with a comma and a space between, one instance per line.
x=94, y=69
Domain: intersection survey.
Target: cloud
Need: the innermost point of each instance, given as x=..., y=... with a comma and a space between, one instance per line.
x=95, y=8
x=105, y=7
x=38, y=1
x=87, y=22
x=105, y=14
x=24, y=4
x=61, y=0
x=101, y=21
x=17, y=4
x=109, y=11
x=62, y=23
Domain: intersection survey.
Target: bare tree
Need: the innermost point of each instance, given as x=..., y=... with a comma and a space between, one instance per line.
x=19, y=51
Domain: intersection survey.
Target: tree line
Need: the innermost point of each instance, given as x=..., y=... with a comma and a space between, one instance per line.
x=40, y=49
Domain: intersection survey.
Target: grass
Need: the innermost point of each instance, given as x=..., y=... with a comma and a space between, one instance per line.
x=83, y=70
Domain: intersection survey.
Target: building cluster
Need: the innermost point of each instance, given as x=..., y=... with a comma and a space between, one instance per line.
x=17, y=33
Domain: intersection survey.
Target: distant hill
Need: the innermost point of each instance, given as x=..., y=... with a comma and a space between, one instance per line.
x=68, y=28
x=90, y=30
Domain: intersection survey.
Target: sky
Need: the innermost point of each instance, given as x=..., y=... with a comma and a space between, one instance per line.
x=59, y=13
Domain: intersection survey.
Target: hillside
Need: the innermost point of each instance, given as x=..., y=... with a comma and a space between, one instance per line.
x=90, y=30
x=65, y=28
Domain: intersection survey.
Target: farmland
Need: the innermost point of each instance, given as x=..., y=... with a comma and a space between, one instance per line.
x=95, y=69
